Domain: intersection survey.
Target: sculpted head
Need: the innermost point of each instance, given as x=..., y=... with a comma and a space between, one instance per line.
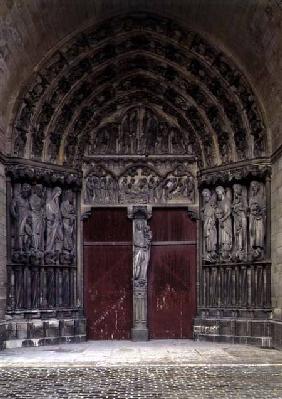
x=254, y=187
x=206, y=194
x=56, y=192
x=26, y=190
x=237, y=189
x=38, y=189
x=220, y=192
x=139, y=225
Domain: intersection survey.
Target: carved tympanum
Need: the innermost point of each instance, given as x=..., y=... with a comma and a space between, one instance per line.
x=139, y=184
x=140, y=131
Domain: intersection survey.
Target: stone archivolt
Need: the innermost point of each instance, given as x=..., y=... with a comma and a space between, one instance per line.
x=90, y=78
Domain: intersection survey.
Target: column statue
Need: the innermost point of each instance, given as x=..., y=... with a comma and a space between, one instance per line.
x=257, y=210
x=223, y=214
x=239, y=211
x=20, y=211
x=54, y=221
x=209, y=227
x=68, y=212
x=37, y=202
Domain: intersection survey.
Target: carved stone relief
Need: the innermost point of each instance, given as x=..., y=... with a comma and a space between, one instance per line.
x=139, y=131
x=84, y=76
x=234, y=222
x=257, y=210
x=139, y=183
x=141, y=253
x=142, y=237
x=43, y=217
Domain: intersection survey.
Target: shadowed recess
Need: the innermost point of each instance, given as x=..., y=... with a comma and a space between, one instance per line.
x=80, y=99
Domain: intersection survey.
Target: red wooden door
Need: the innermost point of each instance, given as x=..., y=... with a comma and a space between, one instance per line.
x=172, y=274
x=108, y=274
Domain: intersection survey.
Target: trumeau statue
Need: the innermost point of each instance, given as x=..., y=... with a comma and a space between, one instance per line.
x=209, y=228
x=54, y=221
x=141, y=256
x=223, y=214
x=257, y=210
x=239, y=211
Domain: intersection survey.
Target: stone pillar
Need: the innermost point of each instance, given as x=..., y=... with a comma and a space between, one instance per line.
x=142, y=237
x=3, y=259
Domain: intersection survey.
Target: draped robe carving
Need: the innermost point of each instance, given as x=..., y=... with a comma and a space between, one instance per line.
x=257, y=209
x=223, y=214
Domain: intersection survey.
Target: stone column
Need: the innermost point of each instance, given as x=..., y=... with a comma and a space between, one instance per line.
x=142, y=237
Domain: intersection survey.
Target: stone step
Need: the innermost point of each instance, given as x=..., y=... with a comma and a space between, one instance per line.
x=38, y=332
x=262, y=342
x=24, y=343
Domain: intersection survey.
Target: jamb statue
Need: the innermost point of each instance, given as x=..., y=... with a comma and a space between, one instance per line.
x=239, y=211
x=209, y=226
x=257, y=211
x=223, y=214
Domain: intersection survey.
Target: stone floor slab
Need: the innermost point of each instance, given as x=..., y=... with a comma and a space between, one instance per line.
x=165, y=369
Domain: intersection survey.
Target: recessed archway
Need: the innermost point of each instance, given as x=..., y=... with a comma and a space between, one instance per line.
x=139, y=59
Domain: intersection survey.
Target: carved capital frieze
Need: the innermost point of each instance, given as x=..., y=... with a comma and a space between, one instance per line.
x=49, y=177
x=233, y=174
x=139, y=212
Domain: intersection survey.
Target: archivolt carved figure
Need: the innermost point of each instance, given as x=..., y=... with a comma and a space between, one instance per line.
x=239, y=211
x=37, y=202
x=142, y=243
x=223, y=214
x=209, y=228
x=257, y=209
x=54, y=221
x=20, y=211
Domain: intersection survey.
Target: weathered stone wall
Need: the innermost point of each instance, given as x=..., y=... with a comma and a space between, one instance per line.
x=249, y=31
x=2, y=241
x=276, y=238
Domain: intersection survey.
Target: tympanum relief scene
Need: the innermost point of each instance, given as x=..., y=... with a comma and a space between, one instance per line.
x=140, y=158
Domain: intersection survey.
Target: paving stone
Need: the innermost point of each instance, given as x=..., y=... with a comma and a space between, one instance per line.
x=174, y=382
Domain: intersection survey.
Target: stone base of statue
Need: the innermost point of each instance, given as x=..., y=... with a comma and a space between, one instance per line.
x=140, y=333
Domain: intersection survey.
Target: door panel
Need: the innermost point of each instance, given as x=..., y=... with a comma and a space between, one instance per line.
x=172, y=274
x=108, y=274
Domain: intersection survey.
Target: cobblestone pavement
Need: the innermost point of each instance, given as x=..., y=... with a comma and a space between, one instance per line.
x=143, y=382
x=179, y=369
